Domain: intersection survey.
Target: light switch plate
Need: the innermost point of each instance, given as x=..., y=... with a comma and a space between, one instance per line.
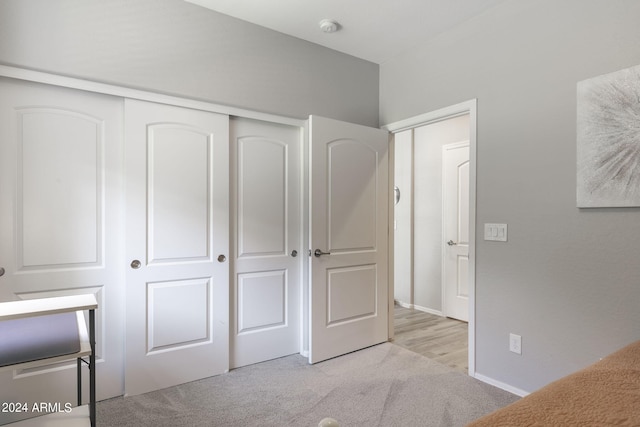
x=495, y=232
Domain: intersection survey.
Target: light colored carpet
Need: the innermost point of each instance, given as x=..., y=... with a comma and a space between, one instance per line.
x=384, y=385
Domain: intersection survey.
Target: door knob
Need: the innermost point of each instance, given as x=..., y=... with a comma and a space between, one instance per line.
x=135, y=264
x=222, y=258
x=1, y=271
x=451, y=243
x=294, y=253
x=318, y=253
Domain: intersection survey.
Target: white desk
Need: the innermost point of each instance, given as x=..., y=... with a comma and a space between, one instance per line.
x=81, y=415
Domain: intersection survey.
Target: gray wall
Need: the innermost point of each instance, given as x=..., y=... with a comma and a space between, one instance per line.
x=568, y=280
x=175, y=47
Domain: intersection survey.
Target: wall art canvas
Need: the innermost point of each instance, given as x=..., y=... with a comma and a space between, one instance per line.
x=608, y=137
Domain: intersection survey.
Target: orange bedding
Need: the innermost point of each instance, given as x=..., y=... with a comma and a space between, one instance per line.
x=603, y=394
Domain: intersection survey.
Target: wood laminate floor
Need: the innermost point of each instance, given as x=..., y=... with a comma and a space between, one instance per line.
x=436, y=337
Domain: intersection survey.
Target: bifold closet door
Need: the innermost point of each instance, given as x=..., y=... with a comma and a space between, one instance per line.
x=177, y=240
x=267, y=244
x=61, y=229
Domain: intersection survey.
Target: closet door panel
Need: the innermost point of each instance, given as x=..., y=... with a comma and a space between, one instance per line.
x=177, y=185
x=60, y=223
x=262, y=196
x=59, y=161
x=267, y=241
x=179, y=176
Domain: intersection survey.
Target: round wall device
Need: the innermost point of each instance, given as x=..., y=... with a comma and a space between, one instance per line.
x=329, y=26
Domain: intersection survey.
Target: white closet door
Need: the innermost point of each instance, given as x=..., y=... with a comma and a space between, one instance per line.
x=177, y=185
x=267, y=241
x=60, y=223
x=349, y=237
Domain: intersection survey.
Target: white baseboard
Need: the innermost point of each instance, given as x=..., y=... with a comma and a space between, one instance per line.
x=418, y=307
x=428, y=310
x=499, y=384
x=403, y=304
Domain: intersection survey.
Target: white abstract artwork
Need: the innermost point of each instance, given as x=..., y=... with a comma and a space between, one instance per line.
x=608, y=136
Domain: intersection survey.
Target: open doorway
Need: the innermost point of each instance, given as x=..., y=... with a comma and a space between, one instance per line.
x=434, y=229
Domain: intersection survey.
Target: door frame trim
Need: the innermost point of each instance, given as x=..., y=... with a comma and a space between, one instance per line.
x=467, y=107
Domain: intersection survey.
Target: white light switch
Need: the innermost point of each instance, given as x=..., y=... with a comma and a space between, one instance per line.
x=495, y=232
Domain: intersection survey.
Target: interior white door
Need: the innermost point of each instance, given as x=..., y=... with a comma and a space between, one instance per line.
x=267, y=244
x=455, y=169
x=61, y=229
x=349, y=237
x=177, y=185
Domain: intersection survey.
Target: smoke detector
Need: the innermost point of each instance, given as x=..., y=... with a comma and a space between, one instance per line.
x=329, y=26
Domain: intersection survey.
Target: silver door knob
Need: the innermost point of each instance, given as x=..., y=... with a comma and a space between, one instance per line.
x=318, y=253
x=222, y=258
x=451, y=243
x=294, y=253
x=1, y=271
x=135, y=264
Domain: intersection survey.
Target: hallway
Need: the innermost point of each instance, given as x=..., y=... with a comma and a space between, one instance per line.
x=439, y=338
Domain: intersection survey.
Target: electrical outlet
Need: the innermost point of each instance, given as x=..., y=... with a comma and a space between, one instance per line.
x=515, y=343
